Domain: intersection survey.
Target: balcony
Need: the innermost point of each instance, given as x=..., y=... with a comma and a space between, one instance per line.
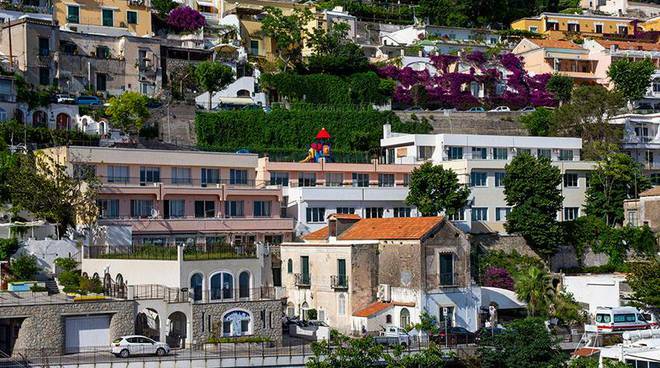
x=171, y=253
x=339, y=282
x=303, y=280
x=203, y=225
x=196, y=295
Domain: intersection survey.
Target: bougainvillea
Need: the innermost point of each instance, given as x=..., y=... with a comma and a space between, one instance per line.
x=499, y=80
x=497, y=277
x=185, y=19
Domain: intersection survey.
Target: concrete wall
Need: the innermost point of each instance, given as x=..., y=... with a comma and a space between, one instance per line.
x=595, y=290
x=136, y=272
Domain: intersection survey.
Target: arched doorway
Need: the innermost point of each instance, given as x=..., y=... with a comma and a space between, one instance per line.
x=178, y=325
x=196, y=286
x=236, y=323
x=63, y=121
x=40, y=119
x=147, y=323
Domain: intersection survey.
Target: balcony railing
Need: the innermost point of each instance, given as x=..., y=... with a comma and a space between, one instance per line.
x=180, y=182
x=339, y=282
x=303, y=280
x=169, y=253
x=231, y=294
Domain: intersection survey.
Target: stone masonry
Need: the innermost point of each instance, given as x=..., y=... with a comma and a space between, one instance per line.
x=43, y=328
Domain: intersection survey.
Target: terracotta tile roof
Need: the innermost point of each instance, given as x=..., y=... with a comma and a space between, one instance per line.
x=393, y=228
x=628, y=45
x=372, y=309
x=585, y=352
x=555, y=44
x=655, y=191
x=319, y=234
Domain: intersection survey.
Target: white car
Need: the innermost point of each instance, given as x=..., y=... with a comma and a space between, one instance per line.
x=500, y=109
x=126, y=346
x=64, y=99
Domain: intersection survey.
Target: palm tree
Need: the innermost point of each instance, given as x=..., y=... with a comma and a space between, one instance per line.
x=534, y=286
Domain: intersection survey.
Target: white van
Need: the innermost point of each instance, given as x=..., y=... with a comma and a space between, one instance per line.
x=620, y=319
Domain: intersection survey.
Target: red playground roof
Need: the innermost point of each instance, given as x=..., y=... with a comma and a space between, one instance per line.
x=323, y=134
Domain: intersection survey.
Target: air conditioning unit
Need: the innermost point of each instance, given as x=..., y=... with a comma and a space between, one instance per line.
x=384, y=293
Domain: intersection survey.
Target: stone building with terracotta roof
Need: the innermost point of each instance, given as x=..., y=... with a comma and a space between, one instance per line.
x=374, y=272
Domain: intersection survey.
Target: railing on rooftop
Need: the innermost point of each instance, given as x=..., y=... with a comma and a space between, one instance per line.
x=180, y=182
x=170, y=253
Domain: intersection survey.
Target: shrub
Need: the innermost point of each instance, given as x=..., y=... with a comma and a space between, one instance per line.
x=185, y=19
x=66, y=264
x=498, y=277
x=37, y=288
x=7, y=248
x=24, y=267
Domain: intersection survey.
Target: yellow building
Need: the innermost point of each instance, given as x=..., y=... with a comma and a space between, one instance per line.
x=110, y=17
x=554, y=25
x=652, y=24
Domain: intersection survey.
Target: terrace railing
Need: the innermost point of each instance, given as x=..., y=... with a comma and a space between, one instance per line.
x=170, y=253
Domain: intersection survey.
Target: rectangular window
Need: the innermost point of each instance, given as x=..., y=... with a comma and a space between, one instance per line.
x=181, y=175
x=101, y=81
x=108, y=17
x=565, y=155
x=425, y=152
x=44, y=46
x=622, y=30
x=102, y=52
x=141, y=208
x=455, y=153
x=571, y=213
x=598, y=28
x=374, y=212
x=315, y=214
x=479, y=214
x=499, y=178
x=341, y=273
x=552, y=25
x=44, y=75
x=533, y=29
x=360, y=180
x=279, y=178
x=479, y=179
x=632, y=218
x=570, y=180
x=254, y=47
x=346, y=210
x=543, y=152
x=149, y=175
x=386, y=180
x=210, y=176
x=406, y=180
x=238, y=177
x=234, y=209
x=306, y=179
x=574, y=27
x=458, y=216
x=175, y=208
x=204, y=209
x=73, y=14
x=262, y=208
x=500, y=153
x=131, y=17
x=108, y=208
x=501, y=213
x=84, y=171
x=402, y=212
x=446, y=270
x=479, y=153
x=334, y=179
x=117, y=174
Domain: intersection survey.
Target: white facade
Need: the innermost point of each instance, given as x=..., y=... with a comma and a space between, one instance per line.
x=596, y=290
x=641, y=138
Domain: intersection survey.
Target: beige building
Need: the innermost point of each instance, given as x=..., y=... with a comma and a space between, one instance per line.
x=109, y=17
x=558, y=56
x=403, y=265
x=645, y=210
x=556, y=25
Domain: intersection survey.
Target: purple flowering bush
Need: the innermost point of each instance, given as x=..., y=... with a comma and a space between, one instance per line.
x=498, y=277
x=504, y=81
x=185, y=19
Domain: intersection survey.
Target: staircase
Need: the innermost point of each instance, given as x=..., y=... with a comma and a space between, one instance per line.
x=52, y=287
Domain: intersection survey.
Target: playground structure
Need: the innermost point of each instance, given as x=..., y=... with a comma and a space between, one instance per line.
x=320, y=149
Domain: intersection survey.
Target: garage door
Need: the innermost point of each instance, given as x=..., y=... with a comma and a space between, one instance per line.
x=87, y=333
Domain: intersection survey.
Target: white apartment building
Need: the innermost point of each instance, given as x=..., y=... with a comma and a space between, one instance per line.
x=480, y=160
x=641, y=140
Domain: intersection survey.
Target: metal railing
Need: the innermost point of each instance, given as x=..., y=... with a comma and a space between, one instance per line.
x=339, y=282
x=118, y=180
x=231, y=294
x=303, y=279
x=170, y=253
x=159, y=292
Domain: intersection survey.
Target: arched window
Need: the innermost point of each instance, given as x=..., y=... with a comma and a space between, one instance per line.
x=289, y=266
x=404, y=318
x=236, y=323
x=243, y=93
x=196, y=286
x=244, y=285
x=341, y=304
x=388, y=319
x=63, y=121
x=39, y=119
x=222, y=286
x=119, y=280
x=95, y=276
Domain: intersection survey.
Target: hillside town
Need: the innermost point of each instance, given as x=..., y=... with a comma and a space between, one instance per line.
x=330, y=183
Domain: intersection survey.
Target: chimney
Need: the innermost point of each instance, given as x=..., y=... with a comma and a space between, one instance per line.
x=338, y=223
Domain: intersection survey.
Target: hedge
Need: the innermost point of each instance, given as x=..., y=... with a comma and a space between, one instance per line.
x=287, y=131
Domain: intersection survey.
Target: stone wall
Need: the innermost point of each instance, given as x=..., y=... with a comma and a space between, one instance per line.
x=448, y=239
x=207, y=317
x=43, y=326
x=472, y=123
x=364, y=273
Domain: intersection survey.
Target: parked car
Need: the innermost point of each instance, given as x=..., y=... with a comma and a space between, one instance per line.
x=528, y=109
x=620, y=319
x=476, y=109
x=126, y=346
x=500, y=109
x=446, y=111
x=393, y=335
x=414, y=109
x=88, y=100
x=63, y=98
x=454, y=336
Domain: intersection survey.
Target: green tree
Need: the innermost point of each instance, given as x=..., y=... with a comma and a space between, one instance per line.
x=524, y=344
x=531, y=188
x=345, y=352
x=534, y=288
x=163, y=7
x=444, y=12
x=561, y=86
x=213, y=76
x=432, y=357
x=631, y=78
x=616, y=178
x=583, y=362
x=434, y=189
x=128, y=111
x=539, y=122
x=288, y=32
x=587, y=117
x=7, y=248
x=334, y=52
x=24, y=267
x=66, y=264
x=644, y=280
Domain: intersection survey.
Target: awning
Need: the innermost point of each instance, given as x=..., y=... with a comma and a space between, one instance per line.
x=505, y=299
